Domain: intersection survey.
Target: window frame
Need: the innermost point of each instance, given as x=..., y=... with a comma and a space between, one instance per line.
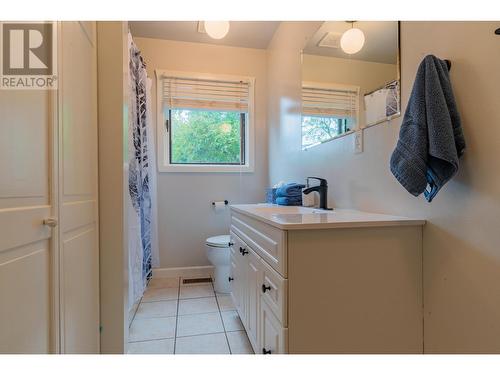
x=163, y=137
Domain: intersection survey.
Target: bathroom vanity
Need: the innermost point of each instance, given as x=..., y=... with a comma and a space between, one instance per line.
x=311, y=281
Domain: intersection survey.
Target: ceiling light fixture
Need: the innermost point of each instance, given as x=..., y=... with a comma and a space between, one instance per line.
x=217, y=29
x=352, y=40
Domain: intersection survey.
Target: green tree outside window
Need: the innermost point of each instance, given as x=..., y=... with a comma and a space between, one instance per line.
x=205, y=137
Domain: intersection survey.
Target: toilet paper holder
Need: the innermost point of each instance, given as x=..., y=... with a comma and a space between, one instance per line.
x=225, y=202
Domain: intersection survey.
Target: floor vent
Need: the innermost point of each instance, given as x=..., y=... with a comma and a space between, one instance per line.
x=197, y=281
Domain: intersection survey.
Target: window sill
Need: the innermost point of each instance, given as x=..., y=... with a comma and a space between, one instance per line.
x=190, y=168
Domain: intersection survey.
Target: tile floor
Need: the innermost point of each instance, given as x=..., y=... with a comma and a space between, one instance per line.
x=186, y=319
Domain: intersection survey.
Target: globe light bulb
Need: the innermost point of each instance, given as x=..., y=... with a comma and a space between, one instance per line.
x=217, y=29
x=352, y=41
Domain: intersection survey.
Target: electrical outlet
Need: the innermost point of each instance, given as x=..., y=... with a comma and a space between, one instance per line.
x=358, y=142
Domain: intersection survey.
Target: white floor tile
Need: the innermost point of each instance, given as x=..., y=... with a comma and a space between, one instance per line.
x=199, y=324
x=164, y=282
x=197, y=291
x=205, y=344
x=225, y=302
x=152, y=328
x=156, y=309
x=197, y=306
x=231, y=321
x=239, y=343
x=165, y=346
x=160, y=294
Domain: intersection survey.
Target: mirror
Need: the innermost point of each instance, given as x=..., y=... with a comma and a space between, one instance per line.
x=350, y=79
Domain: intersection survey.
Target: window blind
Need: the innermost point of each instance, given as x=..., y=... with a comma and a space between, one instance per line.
x=339, y=102
x=181, y=92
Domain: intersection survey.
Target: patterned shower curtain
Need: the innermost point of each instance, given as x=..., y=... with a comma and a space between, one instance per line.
x=140, y=173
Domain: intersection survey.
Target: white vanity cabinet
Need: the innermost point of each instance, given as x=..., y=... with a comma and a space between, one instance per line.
x=256, y=291
x=348, y=282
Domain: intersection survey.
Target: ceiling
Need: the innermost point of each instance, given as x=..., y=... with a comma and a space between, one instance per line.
x=381, y=41
x=249, y=34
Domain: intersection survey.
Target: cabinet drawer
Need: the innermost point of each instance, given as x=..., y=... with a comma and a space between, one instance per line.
x=238, y=248
x=274, y=292
x=267, y=241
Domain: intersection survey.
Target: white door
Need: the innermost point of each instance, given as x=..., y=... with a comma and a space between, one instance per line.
x=254, y=286
x=28, y=195
x=79, y=251
x=48, y=167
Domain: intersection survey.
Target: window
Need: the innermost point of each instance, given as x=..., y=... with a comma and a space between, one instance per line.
x=328, y=111
x=206, y=122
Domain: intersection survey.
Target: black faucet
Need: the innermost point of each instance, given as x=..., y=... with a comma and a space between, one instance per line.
x=322, y=189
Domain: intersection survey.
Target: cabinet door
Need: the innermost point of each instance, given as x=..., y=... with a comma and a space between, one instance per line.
x=238, y=274
x=272, y=334
x=236, y=285
x=254, y=284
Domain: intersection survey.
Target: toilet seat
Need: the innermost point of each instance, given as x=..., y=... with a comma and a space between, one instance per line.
x=219, y=241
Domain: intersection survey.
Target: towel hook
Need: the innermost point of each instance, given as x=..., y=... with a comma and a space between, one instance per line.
x=448, y=64
x=497, y=31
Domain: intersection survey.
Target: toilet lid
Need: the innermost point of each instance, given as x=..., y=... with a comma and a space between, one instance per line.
x=219, y=241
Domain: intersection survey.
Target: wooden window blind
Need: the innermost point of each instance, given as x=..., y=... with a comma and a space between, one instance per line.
x=195, y=93
x=335, y=102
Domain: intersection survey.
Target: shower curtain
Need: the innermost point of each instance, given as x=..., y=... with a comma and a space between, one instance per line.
x=142, y=215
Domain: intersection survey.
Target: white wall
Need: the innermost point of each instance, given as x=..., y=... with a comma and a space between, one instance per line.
x=186, y=217
x=462, y=237
x=112, y=75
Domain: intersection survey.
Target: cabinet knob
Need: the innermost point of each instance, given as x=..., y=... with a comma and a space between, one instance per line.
x=244, y=251
x=230, y=279
x=265, y=288
x=264, y=351
x=50, y=222
x=230, y=244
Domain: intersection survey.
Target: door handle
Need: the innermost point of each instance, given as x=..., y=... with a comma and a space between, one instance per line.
x=50, y=222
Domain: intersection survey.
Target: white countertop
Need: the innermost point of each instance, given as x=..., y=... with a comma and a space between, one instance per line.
x=298, y=217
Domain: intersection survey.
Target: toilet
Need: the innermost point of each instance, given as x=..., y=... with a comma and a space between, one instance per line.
x=218, y=254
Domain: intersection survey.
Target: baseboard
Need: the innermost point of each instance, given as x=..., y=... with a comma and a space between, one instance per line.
x=186, y=272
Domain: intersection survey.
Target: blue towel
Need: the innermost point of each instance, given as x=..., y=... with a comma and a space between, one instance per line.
x=289, y=201
x=431, y=139
x=289, y=190
x=271, y=195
